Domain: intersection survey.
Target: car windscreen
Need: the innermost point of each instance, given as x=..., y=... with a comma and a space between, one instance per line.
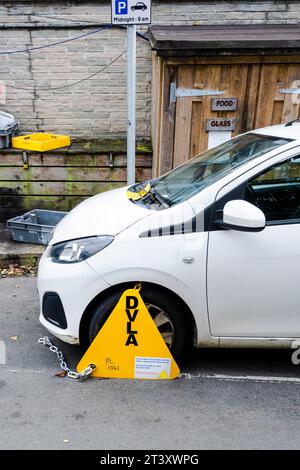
x=207, y=168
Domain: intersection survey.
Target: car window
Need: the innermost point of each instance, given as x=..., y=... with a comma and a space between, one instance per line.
x=276, y=191
x=188, y=179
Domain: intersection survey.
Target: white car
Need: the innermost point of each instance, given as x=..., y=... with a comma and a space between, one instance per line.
x=215, y=244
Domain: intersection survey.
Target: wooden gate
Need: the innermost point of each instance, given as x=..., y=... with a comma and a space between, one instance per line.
x=259, y=85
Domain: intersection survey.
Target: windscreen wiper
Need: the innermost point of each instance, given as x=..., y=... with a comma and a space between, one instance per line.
x=158, y=197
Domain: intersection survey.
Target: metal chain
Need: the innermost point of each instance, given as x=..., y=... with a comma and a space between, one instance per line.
x=82, y=376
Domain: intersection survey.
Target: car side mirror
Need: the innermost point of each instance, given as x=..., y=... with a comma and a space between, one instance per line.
x=243, y=216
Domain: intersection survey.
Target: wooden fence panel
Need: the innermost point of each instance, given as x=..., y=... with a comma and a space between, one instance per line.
x=256, y=82
x=61, y=181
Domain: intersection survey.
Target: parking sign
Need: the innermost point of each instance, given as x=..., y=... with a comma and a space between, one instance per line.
x=121, y=7
x=130, y=12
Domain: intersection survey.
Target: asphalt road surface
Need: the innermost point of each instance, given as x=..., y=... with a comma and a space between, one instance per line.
x=227, y=399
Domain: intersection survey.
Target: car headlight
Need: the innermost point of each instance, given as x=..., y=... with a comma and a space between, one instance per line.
x=74, y=251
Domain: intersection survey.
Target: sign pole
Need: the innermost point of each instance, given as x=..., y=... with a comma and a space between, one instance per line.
x=131, y=102
x=131, y=13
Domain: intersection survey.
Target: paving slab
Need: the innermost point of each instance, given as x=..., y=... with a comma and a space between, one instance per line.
x=16, y=253
x=20, y=254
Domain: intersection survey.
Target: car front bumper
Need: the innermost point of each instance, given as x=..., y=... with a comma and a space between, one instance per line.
x=76, y=285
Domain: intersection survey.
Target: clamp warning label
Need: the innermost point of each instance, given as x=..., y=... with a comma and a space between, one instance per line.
x=152, y=368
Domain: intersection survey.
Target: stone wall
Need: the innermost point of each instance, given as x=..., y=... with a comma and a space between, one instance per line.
x=96, y=108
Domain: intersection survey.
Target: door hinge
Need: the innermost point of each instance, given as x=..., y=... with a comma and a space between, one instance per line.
x=290, y=91
x=188, y=92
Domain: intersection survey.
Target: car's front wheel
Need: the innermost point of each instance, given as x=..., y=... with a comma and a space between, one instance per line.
x=165, y=311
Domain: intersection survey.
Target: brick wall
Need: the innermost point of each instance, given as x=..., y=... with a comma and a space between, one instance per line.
x=97, y=108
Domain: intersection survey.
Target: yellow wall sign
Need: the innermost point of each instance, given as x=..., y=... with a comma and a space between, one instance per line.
x=129, y=344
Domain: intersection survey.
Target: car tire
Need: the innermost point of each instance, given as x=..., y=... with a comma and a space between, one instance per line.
x=165, y=310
